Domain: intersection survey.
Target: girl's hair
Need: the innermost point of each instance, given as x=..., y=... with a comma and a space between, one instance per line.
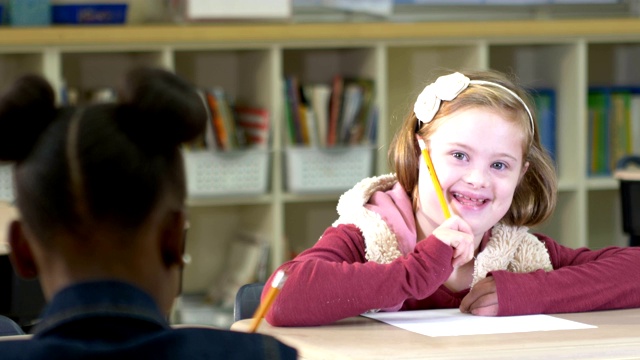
x=535, y=196
x=101, y=163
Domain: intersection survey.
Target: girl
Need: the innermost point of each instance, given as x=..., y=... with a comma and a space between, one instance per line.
x=393, y=249
x=101, y=194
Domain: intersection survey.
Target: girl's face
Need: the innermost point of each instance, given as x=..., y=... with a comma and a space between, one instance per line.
x=477, y=155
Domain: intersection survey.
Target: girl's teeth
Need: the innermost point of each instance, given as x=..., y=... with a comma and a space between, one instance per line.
x=464, y=199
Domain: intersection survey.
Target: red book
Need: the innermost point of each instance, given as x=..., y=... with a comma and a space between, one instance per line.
x=335, y=108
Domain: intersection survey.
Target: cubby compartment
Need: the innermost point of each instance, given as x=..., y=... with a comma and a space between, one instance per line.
x=213, y=231
x=324, y=165
x=605, y=219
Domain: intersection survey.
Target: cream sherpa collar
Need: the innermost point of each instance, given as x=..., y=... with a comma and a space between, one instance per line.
x=510, y=248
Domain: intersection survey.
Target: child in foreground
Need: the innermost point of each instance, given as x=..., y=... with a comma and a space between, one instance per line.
x=392, y=248
x=101, y=194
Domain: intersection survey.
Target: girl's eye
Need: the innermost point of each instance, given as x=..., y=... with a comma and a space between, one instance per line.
x=499, y=166
x=459, y=155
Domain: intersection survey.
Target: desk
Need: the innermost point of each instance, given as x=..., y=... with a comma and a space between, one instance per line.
x=617, y=336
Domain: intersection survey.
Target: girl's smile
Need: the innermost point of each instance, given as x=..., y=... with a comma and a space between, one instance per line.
x=469, y=200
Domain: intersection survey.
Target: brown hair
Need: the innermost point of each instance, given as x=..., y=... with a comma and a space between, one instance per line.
x=535, y=196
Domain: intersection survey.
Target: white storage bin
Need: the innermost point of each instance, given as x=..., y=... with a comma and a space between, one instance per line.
x=322, y=170
x=242, y=172
x=6, y=183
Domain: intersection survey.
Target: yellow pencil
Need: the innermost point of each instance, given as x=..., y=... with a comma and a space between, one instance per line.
x=261, y=311
x=434, y=178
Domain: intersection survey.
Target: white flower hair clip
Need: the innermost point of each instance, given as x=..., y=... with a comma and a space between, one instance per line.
x=447, y=88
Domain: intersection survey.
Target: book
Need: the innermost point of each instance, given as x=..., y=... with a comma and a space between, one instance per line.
x=618, y=129
x=206, y=140
x=545, y=103
x=352, y=102
x=255, y=125
x=335, y=110
x=319, y=97
x=359, y=129
x=233, y=140
x=598, y=102
x=372, y=126
x=219, y=130
x=290, y=126
x=293, y=103
x=634, y=117
x=308, y=116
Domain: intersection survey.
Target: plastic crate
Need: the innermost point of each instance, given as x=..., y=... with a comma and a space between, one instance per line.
x=323, y=170
x=242, y=172
x=6, y=183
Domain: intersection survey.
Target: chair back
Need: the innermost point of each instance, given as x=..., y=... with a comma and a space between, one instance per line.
x=247, y=300
x=9, y=327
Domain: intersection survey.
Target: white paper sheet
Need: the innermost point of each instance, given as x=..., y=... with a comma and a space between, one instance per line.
x=451, y=322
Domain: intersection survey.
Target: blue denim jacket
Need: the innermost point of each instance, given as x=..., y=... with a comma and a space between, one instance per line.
x=115, y=320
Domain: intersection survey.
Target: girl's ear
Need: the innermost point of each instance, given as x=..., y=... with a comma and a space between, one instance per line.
x=173, y=238
x=21, y=255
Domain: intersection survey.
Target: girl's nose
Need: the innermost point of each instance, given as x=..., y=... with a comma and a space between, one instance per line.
x=478, y=178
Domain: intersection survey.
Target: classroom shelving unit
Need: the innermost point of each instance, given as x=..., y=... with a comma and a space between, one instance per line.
x=250, y=60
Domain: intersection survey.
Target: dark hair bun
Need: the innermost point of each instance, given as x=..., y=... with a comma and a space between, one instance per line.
x=26, y=109
x=164, y=110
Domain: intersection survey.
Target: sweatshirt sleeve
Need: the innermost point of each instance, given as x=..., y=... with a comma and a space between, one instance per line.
x=582, y=280
x=332, y=280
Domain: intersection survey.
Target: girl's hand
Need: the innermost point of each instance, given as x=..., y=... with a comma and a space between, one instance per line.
x=482, y=299
x=456, y=233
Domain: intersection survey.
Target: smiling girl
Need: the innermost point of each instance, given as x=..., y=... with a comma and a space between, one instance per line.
x=392, y=248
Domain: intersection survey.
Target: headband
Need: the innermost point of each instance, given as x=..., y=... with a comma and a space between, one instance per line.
x=447, y=88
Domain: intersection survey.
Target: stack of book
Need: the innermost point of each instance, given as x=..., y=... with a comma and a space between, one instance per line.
x=325, y=115
x=613, y=126
x=232, y=127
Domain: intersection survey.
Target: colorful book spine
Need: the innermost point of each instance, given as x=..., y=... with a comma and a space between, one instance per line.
x=293, y=103
x=217, y=122
x=599, y=113
x=614, y=120
x=327, y=115
x=335, y=110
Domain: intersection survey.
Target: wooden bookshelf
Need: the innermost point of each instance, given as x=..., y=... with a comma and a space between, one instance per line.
x=250, y=60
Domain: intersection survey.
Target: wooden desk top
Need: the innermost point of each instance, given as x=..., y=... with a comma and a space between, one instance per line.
x=617, y=336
